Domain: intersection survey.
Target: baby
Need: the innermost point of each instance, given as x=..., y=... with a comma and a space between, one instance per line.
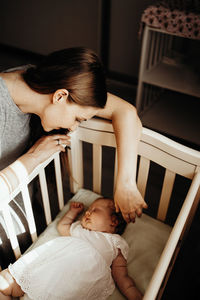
x=80, y=264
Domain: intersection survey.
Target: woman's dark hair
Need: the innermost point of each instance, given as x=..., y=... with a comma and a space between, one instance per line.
x=78, y=70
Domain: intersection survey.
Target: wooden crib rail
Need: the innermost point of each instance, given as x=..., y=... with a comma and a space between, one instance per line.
x=149, y=137
x=176, y=158
x=23, y=189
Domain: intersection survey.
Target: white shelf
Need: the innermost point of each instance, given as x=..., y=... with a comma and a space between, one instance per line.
x=176, y=112
x=178, y=78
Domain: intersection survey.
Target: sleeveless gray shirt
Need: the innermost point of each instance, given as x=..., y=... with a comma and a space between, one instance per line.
x=14, y=128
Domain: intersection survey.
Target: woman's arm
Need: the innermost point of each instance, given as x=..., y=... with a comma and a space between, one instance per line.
x=124, y=282
x=127, y=127
x=65, y=222
x=39, y=152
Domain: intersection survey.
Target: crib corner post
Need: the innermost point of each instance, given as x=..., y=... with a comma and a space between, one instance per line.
x=75, y=156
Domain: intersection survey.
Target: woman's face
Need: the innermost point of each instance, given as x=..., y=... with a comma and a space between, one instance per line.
x=66, y=115
x=98, y=216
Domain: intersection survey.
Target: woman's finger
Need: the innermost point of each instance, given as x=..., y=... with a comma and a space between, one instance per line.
x=145, y=205
x=132, y=217
x=139, y=212
x=126, y=217
x=60, y=136
x=61, y=142
x=117, y=207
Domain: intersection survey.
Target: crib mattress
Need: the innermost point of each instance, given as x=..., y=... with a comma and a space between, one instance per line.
x=146, y=238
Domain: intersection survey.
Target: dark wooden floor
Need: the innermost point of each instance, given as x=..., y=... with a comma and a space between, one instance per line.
x=184, y=282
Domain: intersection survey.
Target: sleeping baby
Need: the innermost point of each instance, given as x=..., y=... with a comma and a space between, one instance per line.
x=82, y=263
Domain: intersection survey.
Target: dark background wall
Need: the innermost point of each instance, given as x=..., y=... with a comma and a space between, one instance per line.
x=110, y=27
x=124, y=48
x=48, y=25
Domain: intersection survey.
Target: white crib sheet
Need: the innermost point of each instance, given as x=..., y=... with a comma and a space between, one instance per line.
x=146, y=239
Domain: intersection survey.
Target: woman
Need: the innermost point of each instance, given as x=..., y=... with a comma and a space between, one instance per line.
x=67, y=87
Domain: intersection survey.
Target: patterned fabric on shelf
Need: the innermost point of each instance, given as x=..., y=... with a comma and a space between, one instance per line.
x=182, y=20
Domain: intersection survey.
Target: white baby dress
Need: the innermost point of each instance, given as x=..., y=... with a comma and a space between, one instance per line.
x=71, y=268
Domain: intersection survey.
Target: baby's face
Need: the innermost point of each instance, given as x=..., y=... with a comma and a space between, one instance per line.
x=98, y=216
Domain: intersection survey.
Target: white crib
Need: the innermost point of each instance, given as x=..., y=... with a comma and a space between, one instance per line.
x=175, y=159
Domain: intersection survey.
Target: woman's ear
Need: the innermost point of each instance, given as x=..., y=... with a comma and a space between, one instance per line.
x=60, y=95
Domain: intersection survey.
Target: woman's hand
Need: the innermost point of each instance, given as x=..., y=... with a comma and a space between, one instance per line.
x=43, y=149
x=48, y=145
x=129, y=201
x=38, y=153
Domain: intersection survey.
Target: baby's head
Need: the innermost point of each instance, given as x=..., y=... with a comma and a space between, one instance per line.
x=101, y=216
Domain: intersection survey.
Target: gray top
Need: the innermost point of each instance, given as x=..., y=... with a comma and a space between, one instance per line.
x=14, y=138
x=14, y=128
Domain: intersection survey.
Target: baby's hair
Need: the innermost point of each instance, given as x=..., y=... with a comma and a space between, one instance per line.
x=121, y=223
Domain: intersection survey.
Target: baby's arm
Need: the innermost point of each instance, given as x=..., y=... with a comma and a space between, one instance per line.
x=124, y=282
x=65, y=222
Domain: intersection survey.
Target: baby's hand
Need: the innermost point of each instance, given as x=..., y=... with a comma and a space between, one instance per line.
x=77, y=206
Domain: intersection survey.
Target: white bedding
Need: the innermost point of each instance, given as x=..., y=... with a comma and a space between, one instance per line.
x=146, y=239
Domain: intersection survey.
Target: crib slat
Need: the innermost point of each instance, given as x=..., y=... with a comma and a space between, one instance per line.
x=115, y=170
x=29, y=212
x=59, y=181
x=157, y=47
x=143, y=175
x=151, y=54
x=161, y=46
x=76, y=160
x=167, y=188
x=97, y=163
x=11, y=232
x=45, y=196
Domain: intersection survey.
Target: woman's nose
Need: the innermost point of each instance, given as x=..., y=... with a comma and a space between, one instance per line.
x=74, y=126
